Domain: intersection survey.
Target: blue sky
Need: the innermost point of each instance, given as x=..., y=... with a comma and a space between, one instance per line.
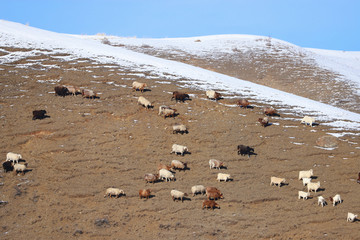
x=325, y=24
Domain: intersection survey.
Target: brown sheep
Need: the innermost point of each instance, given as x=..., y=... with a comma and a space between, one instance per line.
x=270, y=111
x=152, y=178
x=264, y=121
x=214, y=195
x=163, y=166
x=178, y=96
x=210, y=204
x=144, y=193
x=358, y=180
x=243, y=103
x=61, y=91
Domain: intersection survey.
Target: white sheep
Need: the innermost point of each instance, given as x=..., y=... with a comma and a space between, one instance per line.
x=213, y=163
x=13, y=157
x=179, y=128
x=303, y=195
x=312, y=186
x=223, y=177
x=351, y=217
x=307, y=174
x=175, y=194
x=336, y=199
x=114, y=192
x=321, y=201
x=179, y=149
x=143, y=101
x=308, y=120
x=277, y=181
x=306, y=181
x=162, y=108
x=138, y=86
x=211, y=94
x=168, y=112
x=198, y=189
x=166, y=174
x=20, y=168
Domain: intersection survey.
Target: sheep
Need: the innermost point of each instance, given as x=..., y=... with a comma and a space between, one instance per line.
x=210, y=204
x=87, y=93
x=114, y=192
x=306, y=181
x=308, y=120
x=351, y=217
x=321, y=201
x=213, y=95
x=72, y=90
x=179, y=128
x=144, y=193
x=8, y=166
x=168, y=112
x=162, y=108
x=306, y=174
x=212, y=189
x=264, y=121
x=304, y=195
x=175, y=194
x=269, y=111
x=198, y=189
x=223, y=177
x=144, y=102
x=20, y=168
x=214, y=195
x=213, y=163
x=163, y=166
x=138, y=86
x=176, y=164
x=277, y=181
x=152, y=178
x=358, y=180
x=166, y=174
x=179, y=149
x=313, y=186
x=13, y=157
x=61, y=91
x=245, y=150
x=178, y=96
x=243, y=103
x=336, y=199
x=39, y=114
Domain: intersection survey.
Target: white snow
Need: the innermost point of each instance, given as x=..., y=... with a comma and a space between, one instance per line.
x=22, y=36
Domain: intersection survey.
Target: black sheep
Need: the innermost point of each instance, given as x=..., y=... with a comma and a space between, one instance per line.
x=245, y=150
x=8, y=166
x=39, y=114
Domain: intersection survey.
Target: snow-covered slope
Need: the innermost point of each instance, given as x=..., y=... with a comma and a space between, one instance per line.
x=21, y=36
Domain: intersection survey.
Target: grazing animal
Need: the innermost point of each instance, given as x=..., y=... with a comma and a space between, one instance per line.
x=264, y=121
x=179, y=149
x=213, y=163
x=306, y=174
x=179, y=128
x=175, y=194
x=152, y=178
x=176, y=164
x=210, y=204
x=144, y=102
x=312, y=186
x=336, y=199
x=358, y=180
x=223, y=177
x=304, y=195
x=39, y=114
x=351, y=217
x=212, y=189
x=20, y=168
x=245, y=150
x=178, y=96
x=306, y=181
x=87, y=93
x=61, y=91
x=144, y=193
x=269, y=111
x=8, y=166
x=163, y=166
x=166, y=174
x=243, y=103
x=321, y=201
x=161, y=109
x=114, y=192
x=277, y=181
x=168, y=112
x=72, y=90
x=213, y=95
x=138, y=86
x=198, y=189
x=214, y=195
x=308, y=120
x=13, y=157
